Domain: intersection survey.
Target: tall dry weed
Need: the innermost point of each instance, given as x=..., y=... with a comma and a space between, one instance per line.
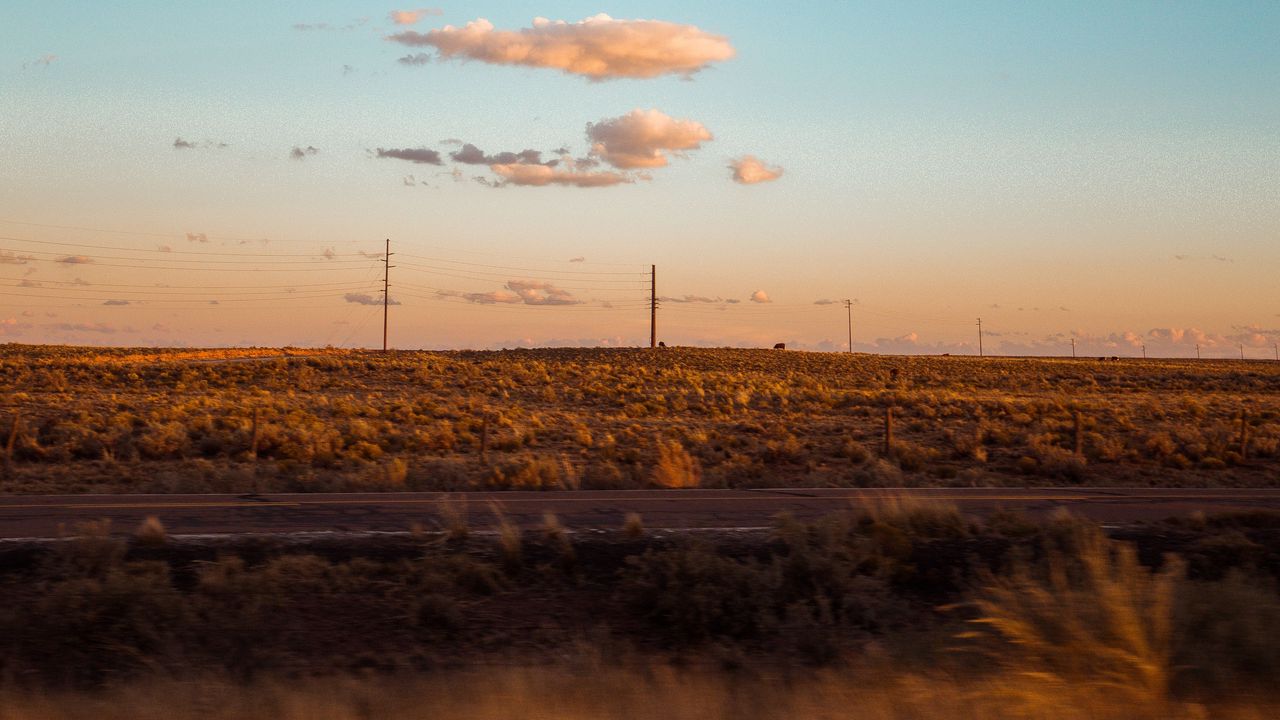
x=1092, y=619
x=675, y=467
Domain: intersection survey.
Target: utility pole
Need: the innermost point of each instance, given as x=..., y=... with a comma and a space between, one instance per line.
x=1276, y=347
x=653, y=306
x=386, y=286
x=1197, y=351
x=1073, y=348
x=979, y=337
x=848, y=306
x=1241, y=351
x=1144, y=352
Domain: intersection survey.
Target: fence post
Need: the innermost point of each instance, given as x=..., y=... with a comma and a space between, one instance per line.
x=255, y=435
x=12, y=441
x=1244, y=434
x=888, y=431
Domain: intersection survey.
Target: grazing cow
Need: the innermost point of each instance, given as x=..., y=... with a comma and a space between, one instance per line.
x=780, y=346
x=661, y=344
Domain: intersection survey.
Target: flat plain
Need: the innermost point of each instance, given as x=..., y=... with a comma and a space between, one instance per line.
x=288, y=420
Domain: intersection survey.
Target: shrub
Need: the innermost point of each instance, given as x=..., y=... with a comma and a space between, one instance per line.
x=675, y=467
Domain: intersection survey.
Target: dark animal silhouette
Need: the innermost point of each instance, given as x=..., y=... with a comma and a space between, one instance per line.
x=780, y=346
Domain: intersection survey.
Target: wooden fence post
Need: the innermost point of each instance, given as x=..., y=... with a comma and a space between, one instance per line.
x=12, y=441
x=888, y=431
x=1244, y=434
x=255, y=435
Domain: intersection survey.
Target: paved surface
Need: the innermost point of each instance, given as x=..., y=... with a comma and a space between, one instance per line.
x=50, y=515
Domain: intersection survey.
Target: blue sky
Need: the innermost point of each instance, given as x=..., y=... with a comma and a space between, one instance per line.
x=940, y=161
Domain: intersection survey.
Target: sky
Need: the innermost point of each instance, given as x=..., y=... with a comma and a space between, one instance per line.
x=227, y=174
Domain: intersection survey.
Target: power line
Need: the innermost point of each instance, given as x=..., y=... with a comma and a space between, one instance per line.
x=521, y=269
x=173, y=252
x=181, y=260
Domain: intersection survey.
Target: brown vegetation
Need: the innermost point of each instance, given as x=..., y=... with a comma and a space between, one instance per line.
x=180, y=421
x=1052, y=611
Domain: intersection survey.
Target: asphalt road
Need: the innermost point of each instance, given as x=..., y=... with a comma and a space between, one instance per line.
x=46, y=516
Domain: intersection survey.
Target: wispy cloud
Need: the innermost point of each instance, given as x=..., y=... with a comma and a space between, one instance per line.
x=760, y=296
x=43, y=61
x=318, y=26
x=117, y=303
x=302, y=153
x=469, y=154
x=421, y=156
x=750, y=170
x=367, y=299
x=409, y=17
x=691, y=299
x=598, y=47
x=75, y=259
x=538, y=175
x=180, y=144
x=643, y=138
x=517, y=292
x=414, y=59
x=197, y=237
x=9, y=257
x=81, y=327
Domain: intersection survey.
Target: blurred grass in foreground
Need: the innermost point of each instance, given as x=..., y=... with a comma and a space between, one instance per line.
x=657, y=692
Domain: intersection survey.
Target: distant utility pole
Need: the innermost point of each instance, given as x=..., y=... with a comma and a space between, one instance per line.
x=1144, y=352
x=979, y=337
x=1197, y=351
x=1073, y=348
x=653, y=306
x=386, y=286
x=848, y=306
x=1241, y=351
x=1276, y=347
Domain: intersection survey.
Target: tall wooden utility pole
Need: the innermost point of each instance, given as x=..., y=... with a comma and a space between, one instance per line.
x=653, y=306
x=1144, y=352
x=979, y=337
x=386, y=297
x=848, y=306
x=1073, y=348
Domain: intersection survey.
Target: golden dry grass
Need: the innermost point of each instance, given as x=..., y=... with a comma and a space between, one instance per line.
x=606, y=693
x=168, y=421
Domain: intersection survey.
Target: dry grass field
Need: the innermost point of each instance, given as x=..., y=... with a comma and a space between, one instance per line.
x=140, y=420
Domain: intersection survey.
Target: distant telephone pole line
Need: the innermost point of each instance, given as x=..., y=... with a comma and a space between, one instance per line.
x=386, y=286
x=979, y=337
x=653, y=306
x=848, y=306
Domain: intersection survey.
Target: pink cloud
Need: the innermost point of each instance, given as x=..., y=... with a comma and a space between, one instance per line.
x=760, y=296
x=598, y=47
x=539, y=175
x=642, y=138
x=409, y=17
x=517, y=292
x=749, y=170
